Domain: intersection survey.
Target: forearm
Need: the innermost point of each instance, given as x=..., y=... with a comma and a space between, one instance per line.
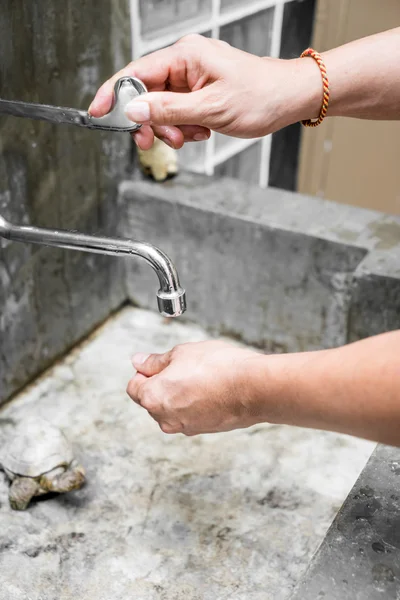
x=364, y=78
x=354, y=389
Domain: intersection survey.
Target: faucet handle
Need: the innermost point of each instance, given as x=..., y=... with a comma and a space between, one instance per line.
x=125, y=90
x=172, y=304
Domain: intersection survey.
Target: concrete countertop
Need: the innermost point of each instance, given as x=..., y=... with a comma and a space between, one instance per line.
x=236, y=515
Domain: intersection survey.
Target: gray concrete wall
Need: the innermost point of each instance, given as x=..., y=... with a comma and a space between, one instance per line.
x=279, y=270
x=375, y=303
x=65, y=177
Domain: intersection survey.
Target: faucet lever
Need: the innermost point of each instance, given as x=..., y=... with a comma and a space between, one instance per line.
x=125, y=89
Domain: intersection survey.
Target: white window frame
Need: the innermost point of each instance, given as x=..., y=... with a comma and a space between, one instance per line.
x=148, y=43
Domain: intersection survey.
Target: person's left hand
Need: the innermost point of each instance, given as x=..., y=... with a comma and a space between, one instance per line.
x=199, y=387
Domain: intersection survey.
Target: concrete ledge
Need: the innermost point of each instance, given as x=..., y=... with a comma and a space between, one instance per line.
x=375, y=304
x=278, y=270
x=360, y=555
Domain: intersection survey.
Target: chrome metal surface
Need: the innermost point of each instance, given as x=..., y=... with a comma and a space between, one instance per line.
x=125, y=90
x=170, y=296
x=44, y=112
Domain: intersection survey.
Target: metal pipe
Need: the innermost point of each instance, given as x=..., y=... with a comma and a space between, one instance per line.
x=171, y=296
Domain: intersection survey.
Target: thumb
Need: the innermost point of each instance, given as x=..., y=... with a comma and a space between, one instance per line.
x=170, y=108
x=151, y=364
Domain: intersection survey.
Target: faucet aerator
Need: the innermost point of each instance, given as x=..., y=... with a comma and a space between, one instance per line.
x=172, y=304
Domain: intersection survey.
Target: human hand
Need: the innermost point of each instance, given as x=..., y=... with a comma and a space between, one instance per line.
x=200, y=387
x=200, y=84
x=208, y=387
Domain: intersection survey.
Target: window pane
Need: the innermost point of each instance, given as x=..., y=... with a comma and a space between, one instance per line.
x=297, y=25
x=192, y=156
x=244, y=166
x=160, y=14
x=227, y=4
x=252, y=34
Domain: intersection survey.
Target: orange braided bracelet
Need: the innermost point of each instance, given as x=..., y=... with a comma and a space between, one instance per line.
x=325, y=102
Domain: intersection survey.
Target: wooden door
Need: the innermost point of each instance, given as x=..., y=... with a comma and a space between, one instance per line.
x=350, y=160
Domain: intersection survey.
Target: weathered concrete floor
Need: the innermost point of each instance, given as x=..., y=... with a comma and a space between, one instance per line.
x=234, y=515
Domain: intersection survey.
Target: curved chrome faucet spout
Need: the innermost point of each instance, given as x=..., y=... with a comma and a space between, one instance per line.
x=171, y=296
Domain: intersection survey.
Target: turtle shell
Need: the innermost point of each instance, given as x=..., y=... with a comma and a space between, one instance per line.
x=35, y=447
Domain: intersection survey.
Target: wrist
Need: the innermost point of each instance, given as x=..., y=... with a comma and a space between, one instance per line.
x=303, y=92
x=307, y=82
x=287, y=388
x=287, y=92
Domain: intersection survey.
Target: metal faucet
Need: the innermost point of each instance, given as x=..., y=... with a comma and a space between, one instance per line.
x=171, y=296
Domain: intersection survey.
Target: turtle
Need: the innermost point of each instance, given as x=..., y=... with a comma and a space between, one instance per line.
x=38, y=459
x=160, y=162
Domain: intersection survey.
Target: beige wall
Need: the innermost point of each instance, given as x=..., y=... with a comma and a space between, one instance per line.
x=350, y=160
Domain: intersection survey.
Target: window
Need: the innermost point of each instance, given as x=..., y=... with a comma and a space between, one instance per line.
x=252, y=25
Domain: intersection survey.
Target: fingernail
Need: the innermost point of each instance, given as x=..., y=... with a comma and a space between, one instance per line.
x=96, y=102
x=167, y=141
x=139, y=112
x=200, y=137
x=139, y=359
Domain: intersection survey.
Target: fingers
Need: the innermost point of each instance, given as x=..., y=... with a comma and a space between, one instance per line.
x=134, y=389
x=195, y=133
x=173, y=136
x=171, y=108
x=176, y=136
x=144, y=137
x=149, y=399
x=104, y=97
x=148, y=394
x=176, y=65
x=152, y=69
x=151, y=364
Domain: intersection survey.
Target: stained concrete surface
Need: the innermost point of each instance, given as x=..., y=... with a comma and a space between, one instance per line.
x=360, y=555
x=235, y=515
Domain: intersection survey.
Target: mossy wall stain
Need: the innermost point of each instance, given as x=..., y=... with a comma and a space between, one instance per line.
x=57, y=176
x=387, y=232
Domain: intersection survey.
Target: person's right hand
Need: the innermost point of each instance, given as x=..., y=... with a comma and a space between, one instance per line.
x=203, y=387
x=200, y=84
